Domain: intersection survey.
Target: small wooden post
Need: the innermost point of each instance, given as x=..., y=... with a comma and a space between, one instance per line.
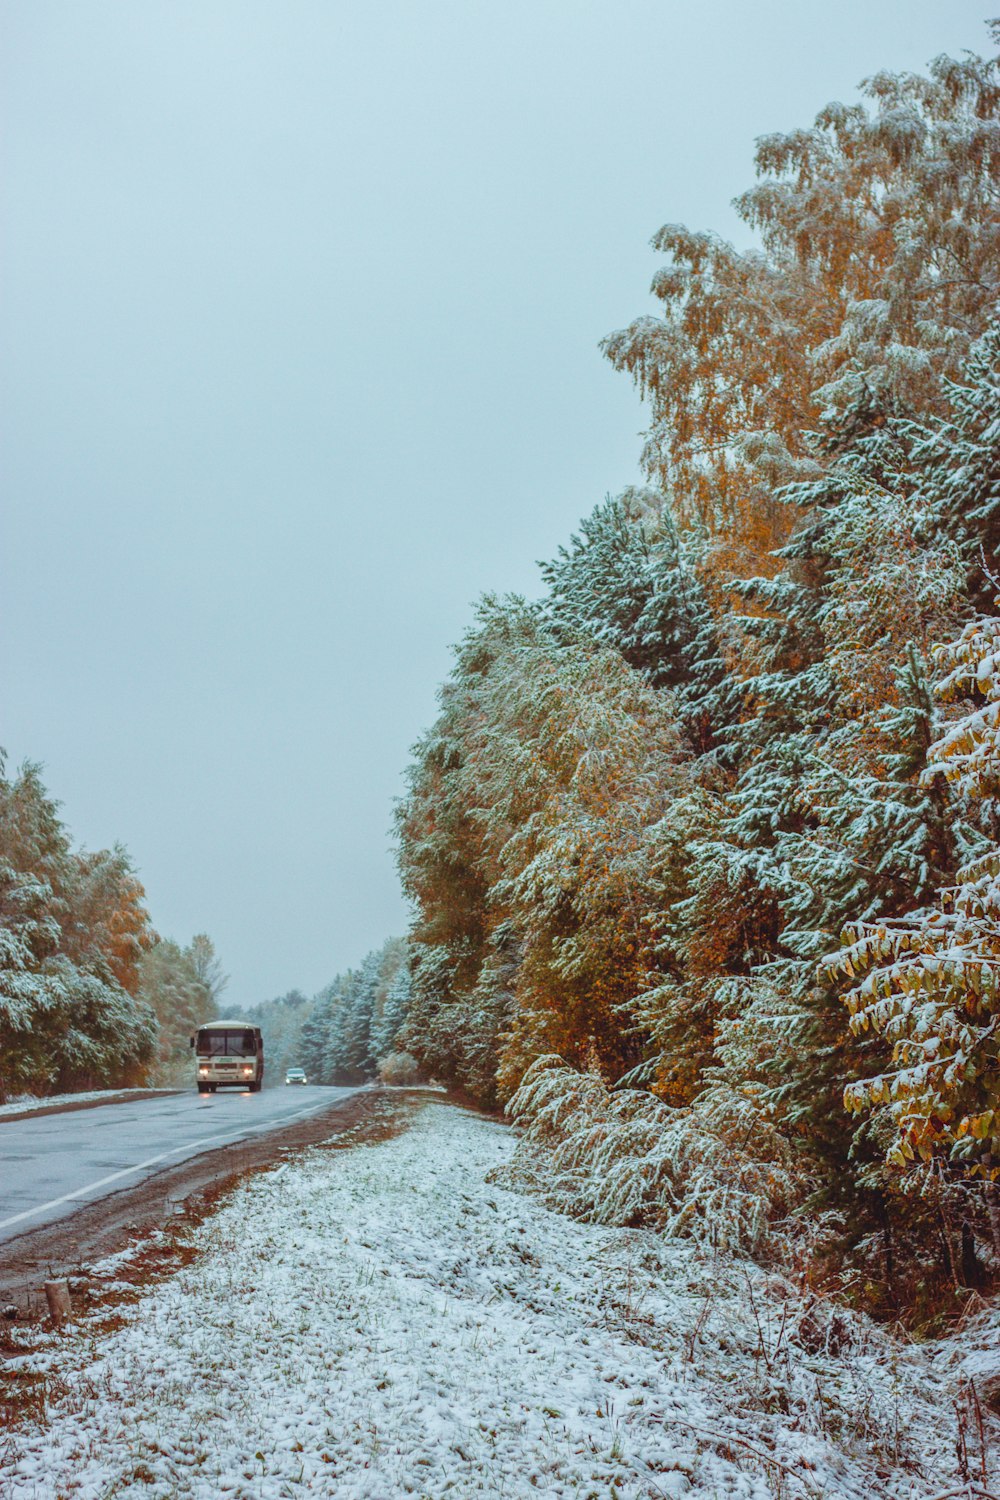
x=57, y=1296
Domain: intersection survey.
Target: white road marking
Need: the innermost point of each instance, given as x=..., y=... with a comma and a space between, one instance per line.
x=151, y=1161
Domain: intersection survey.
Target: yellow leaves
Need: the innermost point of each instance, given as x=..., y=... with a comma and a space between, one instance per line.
x=979, y=1127
x=855, y=1098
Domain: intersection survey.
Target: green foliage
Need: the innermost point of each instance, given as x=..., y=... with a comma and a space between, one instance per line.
x=931, y=979
x=624, y=1157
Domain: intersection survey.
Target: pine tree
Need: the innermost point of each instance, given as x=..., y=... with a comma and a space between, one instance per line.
x=630, y=581
x=313, y=1041
x=392, y=999
x=958, y=461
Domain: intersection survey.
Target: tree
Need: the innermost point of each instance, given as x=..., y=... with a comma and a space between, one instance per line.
x=207, y=967
x=392, y=998
x=631, y=581
x=563, y=764
x=172, y=985
x=355, y=1020
x=958, y=462
x=651, y=802
x=880, y=266
x=73, y=929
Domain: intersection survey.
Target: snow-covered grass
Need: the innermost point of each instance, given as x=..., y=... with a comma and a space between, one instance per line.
x=384, y=1321
x=26, y=1103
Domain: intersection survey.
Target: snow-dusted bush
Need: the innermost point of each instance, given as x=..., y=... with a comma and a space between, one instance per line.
x=716, y=1171
x=399, y=1068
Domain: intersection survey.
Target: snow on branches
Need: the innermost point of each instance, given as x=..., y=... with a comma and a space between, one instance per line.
x=930, y=982
x=624, y=1157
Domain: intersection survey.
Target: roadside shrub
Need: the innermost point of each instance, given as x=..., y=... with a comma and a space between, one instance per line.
x=399, y=1069
x=624, y=1157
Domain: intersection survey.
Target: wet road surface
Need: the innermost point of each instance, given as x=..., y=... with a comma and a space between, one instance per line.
x=52, y=1164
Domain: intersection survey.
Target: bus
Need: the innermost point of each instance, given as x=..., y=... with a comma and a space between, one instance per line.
x=229, y=1053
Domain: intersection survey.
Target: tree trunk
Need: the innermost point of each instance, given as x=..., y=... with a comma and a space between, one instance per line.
x=972, y=1270
x=949, y=1258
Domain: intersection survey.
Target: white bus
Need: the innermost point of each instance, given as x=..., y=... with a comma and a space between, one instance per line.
x=229, y=1052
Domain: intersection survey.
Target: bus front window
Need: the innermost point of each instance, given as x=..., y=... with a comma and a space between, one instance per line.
x=235, y=1043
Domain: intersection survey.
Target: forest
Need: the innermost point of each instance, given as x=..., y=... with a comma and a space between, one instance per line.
x=704, y=844
x=347, y=1033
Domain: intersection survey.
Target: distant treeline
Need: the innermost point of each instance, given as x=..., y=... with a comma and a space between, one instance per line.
x=349, y=1032
x=717, y=819
x=90, y=995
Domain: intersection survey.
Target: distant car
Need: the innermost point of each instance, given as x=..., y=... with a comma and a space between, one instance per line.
x=295, y=1075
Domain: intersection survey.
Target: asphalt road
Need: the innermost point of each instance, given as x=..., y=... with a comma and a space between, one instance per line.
x=53, y=1164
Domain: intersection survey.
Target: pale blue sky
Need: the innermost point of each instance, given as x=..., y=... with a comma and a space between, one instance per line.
x=300, y=313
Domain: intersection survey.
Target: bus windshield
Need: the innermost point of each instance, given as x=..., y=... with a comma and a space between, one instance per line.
x=233, y=1043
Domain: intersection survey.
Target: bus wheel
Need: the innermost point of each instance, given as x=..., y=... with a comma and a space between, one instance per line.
x=212, y=1087
x=255, y=1086
x=203, y=1088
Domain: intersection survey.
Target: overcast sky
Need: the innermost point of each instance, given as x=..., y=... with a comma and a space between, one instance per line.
x=300, y=311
